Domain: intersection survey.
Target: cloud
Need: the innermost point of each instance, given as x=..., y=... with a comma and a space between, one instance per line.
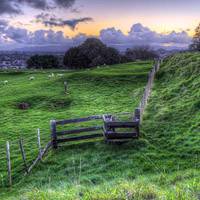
x=52, y=21
x=38, y=4
x=12, y=33
x=64, y=3
x=75, y=10
x=3, y=24
x=111, y=35
x=141, y=35
x=176, y=37
x=23, y=36
x=47, y=37
x=18, y=35
x=15, y=6
x=9, y=7
x=138, y=35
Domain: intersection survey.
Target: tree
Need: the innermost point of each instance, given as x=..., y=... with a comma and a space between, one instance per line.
x=93, y=48
x=74, y=58
x=125, y=59
x=91, y=53
x=140, y=53
x=99, y=60
x=43, y=62
x=111, y=56
x=195, y=46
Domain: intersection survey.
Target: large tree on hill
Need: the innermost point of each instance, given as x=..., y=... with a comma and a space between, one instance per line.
x=91, y=53
x=112, y=56
x=196, y=40
x=74, y=58
x=93, y=48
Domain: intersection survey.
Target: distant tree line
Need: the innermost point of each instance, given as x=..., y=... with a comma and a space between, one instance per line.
x=91, y=53
x=43, y=62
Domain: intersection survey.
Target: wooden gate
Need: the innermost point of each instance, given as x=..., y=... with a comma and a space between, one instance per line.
x=63, y=136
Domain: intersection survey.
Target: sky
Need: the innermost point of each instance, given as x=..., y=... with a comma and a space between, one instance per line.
x=54, y=24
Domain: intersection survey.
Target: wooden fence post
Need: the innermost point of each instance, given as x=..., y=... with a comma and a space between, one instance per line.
x=8, y=163
x=39, y=141
x=137, y=114
x=23, y=154
x=65, y=86
x=53, y=134
x=148, y=88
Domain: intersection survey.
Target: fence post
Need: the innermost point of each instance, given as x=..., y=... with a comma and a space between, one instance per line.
x=65, y=86
x=148, y=89
x=8, y=163
x=53, y=134
x=137, y=114
x=39, y=141
x=23, y=154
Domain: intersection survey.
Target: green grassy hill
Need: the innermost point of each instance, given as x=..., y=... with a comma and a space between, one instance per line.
x=163, y=164
x=109, y=89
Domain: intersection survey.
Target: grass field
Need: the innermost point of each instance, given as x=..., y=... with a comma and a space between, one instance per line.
x=98, y=91
x=163, y=164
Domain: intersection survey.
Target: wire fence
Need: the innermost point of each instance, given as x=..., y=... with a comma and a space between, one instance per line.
x=32, y=146
x=148, y=88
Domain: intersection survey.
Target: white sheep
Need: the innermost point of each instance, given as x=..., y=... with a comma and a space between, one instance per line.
x=32, y=78
x=51, y=75
x=60, y=75
x=5, y=82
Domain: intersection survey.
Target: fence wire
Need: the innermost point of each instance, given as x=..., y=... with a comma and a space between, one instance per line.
x=148, y=88
x=31, y=150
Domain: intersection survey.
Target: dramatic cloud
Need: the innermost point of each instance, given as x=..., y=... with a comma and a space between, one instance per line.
x=64, y=3
x=52, y=21
x=38, y=4
x=111, y=35
x=17, y=34
x=43, y=37
x=9, y=7
x=41, y=40
x=3, y=24
x=138, y=35
x=15, y=6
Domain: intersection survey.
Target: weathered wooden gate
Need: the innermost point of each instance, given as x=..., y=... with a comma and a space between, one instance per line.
x=116, y=130
x=61, y=136
x=107, y=129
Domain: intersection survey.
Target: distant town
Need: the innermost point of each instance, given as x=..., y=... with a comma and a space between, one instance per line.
x=17, y=59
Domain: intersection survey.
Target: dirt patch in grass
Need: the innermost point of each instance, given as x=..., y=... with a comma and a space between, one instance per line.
x=46, y=102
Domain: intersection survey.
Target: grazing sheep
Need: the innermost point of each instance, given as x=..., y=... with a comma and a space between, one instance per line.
x=5, y=82
x=51, y=75
x=60, y=75
x=32, y=78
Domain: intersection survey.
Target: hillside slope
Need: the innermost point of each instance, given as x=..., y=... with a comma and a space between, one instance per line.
x=175, y=108
x=163, y=164
x=106, y=89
